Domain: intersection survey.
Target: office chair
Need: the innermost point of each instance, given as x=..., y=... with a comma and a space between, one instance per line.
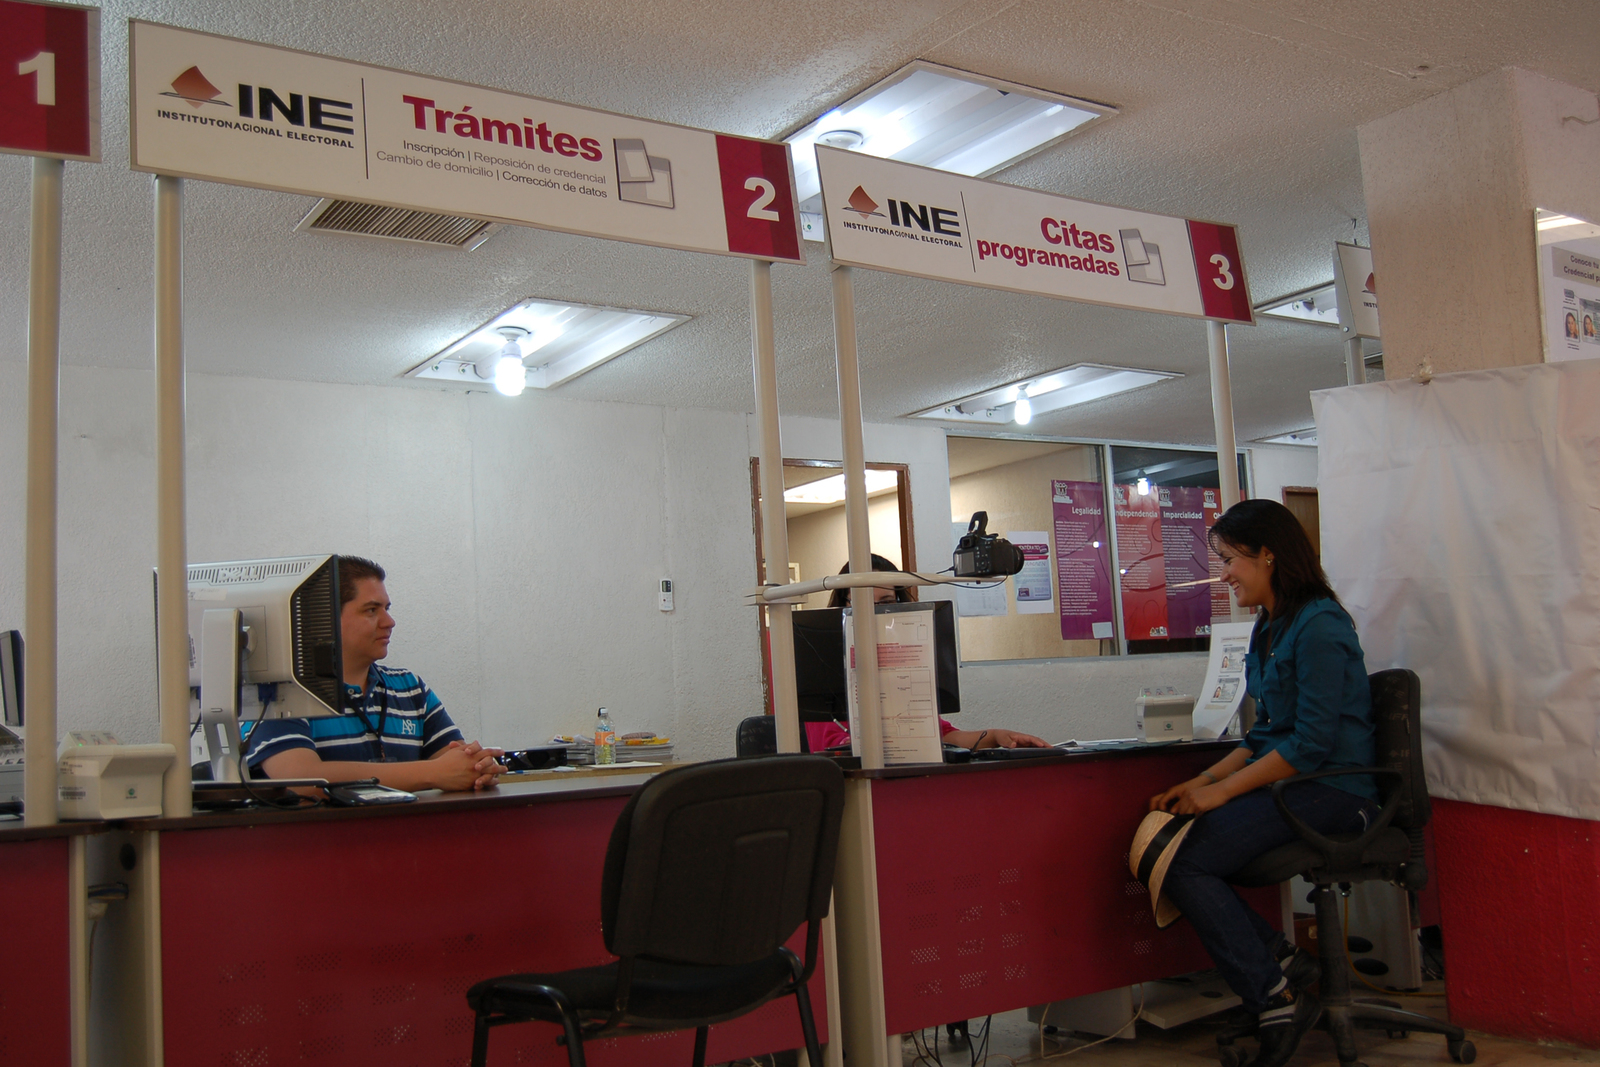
x=710, y=869
x=758, y=736
x=1390, y=850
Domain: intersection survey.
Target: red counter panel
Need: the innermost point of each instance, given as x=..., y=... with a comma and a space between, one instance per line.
x=35, y=1017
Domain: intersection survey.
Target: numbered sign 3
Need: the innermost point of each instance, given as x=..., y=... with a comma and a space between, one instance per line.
x=758, y=199
x=1220, y=269
x=49, y=80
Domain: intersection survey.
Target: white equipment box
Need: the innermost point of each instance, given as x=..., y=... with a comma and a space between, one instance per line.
x=1165, y=717
x=110, y=781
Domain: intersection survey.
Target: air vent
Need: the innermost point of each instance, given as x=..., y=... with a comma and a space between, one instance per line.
x=397, y=224
x=243, y=573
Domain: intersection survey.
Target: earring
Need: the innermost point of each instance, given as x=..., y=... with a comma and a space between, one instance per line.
x=1269, y=561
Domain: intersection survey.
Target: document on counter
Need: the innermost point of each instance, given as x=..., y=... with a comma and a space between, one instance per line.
x=907, y=694
x=1217, y=709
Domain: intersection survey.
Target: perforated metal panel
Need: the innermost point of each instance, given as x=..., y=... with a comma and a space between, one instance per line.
x=1037, y=903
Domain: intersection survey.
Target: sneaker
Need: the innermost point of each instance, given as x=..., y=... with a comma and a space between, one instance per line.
x=1300, y=967
x=1284, y=1021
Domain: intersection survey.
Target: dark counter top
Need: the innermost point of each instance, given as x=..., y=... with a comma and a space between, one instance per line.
x=1074, y=756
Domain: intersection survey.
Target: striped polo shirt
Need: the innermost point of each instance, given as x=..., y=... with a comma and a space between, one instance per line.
x=411, y=718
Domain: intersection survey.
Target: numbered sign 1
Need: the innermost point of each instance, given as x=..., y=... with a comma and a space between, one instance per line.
x=758, y=199
x=50, y=80
x=1223, y=293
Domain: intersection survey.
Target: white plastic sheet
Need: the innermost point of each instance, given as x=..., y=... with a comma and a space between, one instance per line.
x=1461, y=527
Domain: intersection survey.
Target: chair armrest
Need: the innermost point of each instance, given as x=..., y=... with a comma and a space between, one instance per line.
x=1340, y=855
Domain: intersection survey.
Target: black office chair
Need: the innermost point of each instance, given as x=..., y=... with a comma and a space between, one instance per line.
x=758, y=736
x=1390, y=850
x=710, y=869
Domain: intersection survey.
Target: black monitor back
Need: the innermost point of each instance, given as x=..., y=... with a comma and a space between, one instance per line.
x=10, y=678
x=819, y=659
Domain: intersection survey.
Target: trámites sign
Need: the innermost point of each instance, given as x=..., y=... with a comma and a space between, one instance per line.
x=912, y=220
x=226, y=110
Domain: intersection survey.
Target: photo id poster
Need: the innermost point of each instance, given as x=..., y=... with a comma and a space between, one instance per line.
x=1141, y=563
x=1035, y=593
x=1224, y=688
x=1083, y=560
x=1571, y=282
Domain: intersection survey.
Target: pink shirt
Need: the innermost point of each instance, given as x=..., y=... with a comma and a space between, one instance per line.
x=821, y=735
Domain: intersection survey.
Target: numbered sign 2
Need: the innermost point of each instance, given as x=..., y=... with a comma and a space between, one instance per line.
x=50, y=80
x=1223, y=293
x=758, y=199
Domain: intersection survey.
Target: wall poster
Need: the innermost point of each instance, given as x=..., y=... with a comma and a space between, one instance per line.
x=1141, y=562
x=1083, y=561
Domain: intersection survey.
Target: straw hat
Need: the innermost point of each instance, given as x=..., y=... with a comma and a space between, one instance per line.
x=1154, y=845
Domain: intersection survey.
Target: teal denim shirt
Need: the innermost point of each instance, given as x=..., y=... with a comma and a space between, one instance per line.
x=1313, y=704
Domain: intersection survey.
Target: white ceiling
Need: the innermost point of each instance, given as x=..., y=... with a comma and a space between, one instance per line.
x=1235, y=111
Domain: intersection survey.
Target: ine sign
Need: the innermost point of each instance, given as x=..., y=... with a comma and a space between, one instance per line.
x=50, y=80
x=912, y=220
x=232, y=111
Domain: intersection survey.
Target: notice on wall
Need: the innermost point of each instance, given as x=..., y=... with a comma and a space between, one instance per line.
x=1571, y=284
x=1083, y=561
x=50, y=80
x=1141, y=562
x=226, y=110
x=908, y=698
x=929, y=223
x=1034, y=583
x=971, y=600
x=1184, y=559
x=1224, y=687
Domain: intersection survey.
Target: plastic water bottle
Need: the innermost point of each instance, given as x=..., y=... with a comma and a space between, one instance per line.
x=605, y=739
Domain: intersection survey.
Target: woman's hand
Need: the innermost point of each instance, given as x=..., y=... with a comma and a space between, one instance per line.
x=1200, y=800
x=1012, y=739
x=1165, y=801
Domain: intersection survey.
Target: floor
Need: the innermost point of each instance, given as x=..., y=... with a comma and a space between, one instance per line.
x=1013, y=1040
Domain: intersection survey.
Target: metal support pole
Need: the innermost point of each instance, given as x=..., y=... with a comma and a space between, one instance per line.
x=1355, y=363
x=44, y=408
x=863, y=1022
x=774, y=523
x=1109, y=488
x=1222, y=412
x=172, y=586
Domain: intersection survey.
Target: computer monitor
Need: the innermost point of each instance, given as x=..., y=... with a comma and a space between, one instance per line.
x=10, y=678
x=819, y=665
x=266, y=621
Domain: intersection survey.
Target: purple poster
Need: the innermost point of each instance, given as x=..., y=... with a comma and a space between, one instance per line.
x=1183, y=539
x=1083, y=560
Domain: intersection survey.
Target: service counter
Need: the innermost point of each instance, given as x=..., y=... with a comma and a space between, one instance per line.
x=350, y=935
x=1005, y=885
x=41, y=876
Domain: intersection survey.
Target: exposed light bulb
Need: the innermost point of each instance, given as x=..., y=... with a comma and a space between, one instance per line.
x=510, y=376
x=1023, y=411
x=1143, y=485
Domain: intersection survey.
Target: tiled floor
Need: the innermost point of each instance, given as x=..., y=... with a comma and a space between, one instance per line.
x=1015, y=1041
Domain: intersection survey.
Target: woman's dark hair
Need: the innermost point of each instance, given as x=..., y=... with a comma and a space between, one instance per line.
x=841, y=597
x=1297, y=577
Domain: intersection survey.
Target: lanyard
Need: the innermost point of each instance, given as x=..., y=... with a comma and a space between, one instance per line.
x=383, y=717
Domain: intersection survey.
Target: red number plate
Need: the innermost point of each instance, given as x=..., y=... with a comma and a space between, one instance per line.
x=49, y=80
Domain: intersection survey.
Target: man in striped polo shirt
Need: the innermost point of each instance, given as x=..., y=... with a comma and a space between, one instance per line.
x=393, y=727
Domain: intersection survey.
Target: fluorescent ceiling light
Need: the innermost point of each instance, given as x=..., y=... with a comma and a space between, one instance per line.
x=558, y=341
x=831, y=490
x=938, y=117
x=1043, y=393
x=1317, y=305
x=1296, y=437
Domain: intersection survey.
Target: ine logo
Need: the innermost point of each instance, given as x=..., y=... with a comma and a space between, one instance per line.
x=862, y=204
x=906, y=215
x=195, y=88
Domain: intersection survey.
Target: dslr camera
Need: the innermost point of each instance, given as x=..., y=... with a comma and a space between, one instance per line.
x=980, y=554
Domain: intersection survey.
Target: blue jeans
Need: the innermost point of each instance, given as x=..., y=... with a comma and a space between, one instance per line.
x=1222, y=841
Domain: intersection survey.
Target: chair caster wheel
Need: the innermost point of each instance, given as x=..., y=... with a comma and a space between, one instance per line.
x=1398, y=1035
x=1462, y=1051
x=1231, y=1056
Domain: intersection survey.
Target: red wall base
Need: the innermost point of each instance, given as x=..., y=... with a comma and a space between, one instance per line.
x=1519, y=895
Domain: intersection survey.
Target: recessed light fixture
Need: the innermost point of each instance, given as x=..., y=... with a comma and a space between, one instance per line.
x=831, y=490
x=937, y=117
x=1022, y=402
x=554, y=342
x=1307, y=436
x=1316, y=304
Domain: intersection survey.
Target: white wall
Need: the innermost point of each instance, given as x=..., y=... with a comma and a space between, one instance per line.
x=1272, y=468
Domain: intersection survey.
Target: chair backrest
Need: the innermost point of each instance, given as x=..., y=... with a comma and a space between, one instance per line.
x=719, y=863
x=757, y=736
x=1397, y=741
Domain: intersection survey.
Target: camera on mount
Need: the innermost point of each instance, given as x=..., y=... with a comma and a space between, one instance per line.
x=980, y=554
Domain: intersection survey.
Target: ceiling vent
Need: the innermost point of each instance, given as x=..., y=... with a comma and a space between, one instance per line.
x=397, y=224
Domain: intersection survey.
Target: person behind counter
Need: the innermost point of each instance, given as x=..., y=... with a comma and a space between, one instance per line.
x=822, y=735
x=1308, y=675
x=393, y=728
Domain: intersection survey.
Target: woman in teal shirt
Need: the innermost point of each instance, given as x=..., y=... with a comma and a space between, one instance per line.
x=1307, y=673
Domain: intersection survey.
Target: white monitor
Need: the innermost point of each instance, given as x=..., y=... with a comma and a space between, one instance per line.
x=289, y=618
